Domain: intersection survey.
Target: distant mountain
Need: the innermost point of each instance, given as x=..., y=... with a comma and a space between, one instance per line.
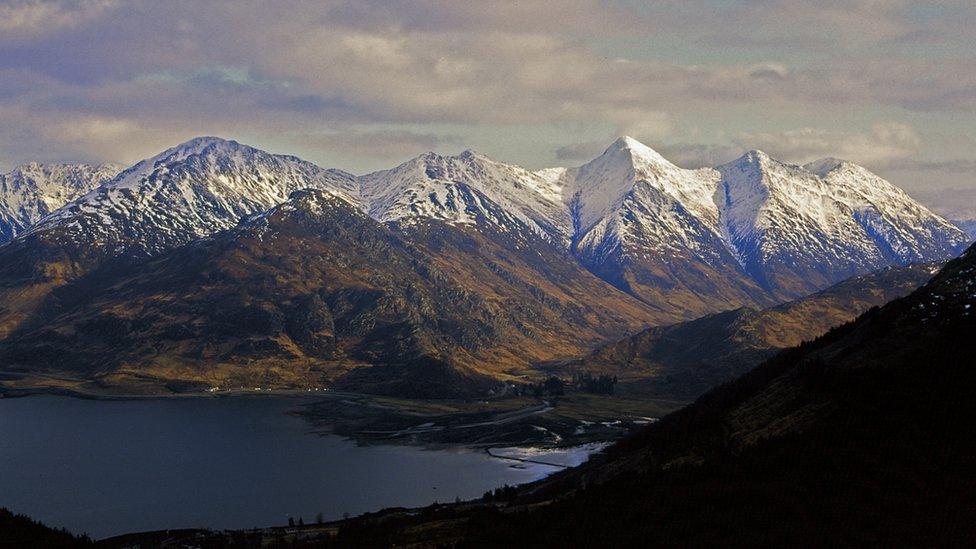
x=862, y=437
x=457, y=189
x=182, y=194
x=32, y=191
x=314, y=292
x=189, y=191
x=799, y=229
x=685, y=360
x=686, y=242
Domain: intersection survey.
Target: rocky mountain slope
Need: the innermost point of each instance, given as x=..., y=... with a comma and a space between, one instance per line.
x=685, y=360
x=313, y=293
x=32, y=191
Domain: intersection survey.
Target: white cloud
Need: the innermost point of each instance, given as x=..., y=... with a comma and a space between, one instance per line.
x=884, y=142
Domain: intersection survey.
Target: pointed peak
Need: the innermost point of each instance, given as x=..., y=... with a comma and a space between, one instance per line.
x=201, y=145
x=755, y=155
x=635, y=149
x=626, y=142
x=470, y=154
x=751, y=160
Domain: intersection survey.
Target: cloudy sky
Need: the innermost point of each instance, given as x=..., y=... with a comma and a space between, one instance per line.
x=364, y=84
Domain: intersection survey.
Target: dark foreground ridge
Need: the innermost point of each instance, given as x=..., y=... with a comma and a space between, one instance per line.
x=21, y=531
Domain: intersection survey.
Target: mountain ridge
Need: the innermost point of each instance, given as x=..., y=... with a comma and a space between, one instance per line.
x=768, y=227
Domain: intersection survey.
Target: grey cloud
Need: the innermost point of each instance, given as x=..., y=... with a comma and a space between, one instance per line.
x=579, y=152
x=884, y=143
x=691, y=155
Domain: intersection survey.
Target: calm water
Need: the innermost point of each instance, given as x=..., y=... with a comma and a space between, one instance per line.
x=110, y=467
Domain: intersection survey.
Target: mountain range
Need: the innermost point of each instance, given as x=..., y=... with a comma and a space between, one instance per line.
x=216, y=263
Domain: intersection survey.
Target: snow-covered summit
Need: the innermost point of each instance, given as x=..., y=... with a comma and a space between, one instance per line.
x=33, y=190
x=458, y=189
x=629, y=145
x=797, y=228
x=189, y=191
x=596, y=190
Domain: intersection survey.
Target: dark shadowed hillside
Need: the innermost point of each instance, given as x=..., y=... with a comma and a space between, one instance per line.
x=22, y=531
x=685, y=360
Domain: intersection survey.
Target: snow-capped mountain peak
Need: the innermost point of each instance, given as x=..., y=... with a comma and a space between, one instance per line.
x=599, y=187
x=192, y=190
x=640, y=152
x=816, y=224
x=454, y=188
x=33, y=190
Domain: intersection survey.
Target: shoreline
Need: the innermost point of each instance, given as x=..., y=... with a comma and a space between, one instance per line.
x=55, y=390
